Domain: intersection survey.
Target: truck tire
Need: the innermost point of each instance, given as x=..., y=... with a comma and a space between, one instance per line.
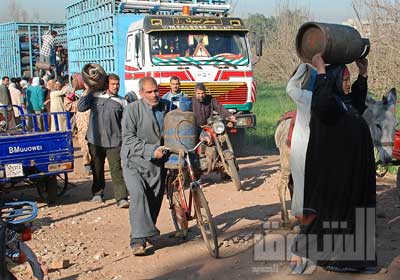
x=238, y=141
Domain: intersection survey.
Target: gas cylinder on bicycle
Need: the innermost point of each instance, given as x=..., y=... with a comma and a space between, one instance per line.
x=179, y=133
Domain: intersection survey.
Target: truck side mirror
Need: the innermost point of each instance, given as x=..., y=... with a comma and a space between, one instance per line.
x=138, y=49
x=137, y=44
x=259, y=46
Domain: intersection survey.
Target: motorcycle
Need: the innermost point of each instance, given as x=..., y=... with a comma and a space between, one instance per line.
x=217, y=153
x=15, y=230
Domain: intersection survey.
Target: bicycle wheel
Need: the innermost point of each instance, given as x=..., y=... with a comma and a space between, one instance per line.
x=205, y=221
x=177, y=212
x=233, y=172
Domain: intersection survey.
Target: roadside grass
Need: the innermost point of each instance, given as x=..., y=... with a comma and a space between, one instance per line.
x=271, y=103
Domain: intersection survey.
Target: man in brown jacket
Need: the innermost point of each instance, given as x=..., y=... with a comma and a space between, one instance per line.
x=204, y=104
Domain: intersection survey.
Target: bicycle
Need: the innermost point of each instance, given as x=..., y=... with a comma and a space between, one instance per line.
x=184, y=193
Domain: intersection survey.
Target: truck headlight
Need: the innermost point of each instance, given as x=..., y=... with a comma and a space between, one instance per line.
x=247, y=121
x=218, y=127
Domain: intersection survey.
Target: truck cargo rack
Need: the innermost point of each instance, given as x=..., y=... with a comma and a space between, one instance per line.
x=20, y=44
x=173, y=7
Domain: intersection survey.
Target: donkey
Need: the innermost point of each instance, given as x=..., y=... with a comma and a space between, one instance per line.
x=381, y=119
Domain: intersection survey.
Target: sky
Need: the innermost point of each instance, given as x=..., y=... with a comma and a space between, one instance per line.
x=336, y=11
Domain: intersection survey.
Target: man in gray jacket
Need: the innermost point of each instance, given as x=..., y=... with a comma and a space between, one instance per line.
x=142, y=162
x=5, y=99
x=104, y=138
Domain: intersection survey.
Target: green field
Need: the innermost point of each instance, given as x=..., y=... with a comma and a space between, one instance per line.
x=271, y=103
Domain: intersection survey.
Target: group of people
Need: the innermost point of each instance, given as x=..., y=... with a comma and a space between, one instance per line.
x=333, y=169
x=33, y=97
x=130, y=136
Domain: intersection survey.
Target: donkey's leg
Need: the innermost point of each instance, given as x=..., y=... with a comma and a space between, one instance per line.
x=284, y=181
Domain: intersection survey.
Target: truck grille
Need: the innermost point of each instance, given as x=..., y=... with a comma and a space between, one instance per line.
x=225, y=93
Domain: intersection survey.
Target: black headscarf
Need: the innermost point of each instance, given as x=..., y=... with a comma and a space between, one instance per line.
x=335, y=72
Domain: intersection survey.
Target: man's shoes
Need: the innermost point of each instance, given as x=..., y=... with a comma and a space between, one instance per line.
x=97, y=198
x=123, y=203
x=149, y=243
x=139, y=248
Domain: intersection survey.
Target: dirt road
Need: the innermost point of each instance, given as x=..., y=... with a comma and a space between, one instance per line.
x=94, y=238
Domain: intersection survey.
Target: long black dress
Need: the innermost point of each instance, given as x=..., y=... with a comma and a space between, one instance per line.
x=339, y=174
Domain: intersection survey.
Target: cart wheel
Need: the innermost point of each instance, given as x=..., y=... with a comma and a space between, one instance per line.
x=52, y=187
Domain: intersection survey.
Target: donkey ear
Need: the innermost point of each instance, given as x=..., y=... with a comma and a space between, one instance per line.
x=392, y=96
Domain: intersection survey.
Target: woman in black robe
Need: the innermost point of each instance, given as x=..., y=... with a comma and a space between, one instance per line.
x=339, y=173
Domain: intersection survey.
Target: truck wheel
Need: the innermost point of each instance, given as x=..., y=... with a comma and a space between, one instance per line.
x=50, y=188
x=238, y=141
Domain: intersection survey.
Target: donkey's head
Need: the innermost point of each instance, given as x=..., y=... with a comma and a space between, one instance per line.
x=381, y=119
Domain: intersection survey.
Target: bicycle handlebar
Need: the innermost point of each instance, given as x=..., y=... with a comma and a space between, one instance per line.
x=185, y=151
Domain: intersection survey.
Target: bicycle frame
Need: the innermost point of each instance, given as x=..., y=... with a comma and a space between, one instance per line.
x=182, y=212
x=177, y=174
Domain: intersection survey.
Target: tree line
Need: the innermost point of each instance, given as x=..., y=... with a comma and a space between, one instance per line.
x=379, y=20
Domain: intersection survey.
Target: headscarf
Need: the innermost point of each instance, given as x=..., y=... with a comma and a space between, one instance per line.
x=35, y=82
x=336, y=73
x=23, y=83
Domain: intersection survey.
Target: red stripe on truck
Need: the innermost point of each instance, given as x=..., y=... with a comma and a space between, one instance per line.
x=226, y=75
x=138, y=75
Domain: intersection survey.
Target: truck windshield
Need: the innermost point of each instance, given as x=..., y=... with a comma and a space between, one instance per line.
x=203, y=47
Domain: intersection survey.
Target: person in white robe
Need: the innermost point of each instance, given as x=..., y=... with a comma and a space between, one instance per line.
x=299, y=88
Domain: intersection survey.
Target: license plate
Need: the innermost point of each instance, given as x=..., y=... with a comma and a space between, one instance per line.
x=14, y=170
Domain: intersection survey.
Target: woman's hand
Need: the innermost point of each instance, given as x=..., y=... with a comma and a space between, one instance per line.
x=362, y=65
x=319, y=63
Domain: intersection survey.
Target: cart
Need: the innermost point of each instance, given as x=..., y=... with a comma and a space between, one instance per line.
x=33, y=156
